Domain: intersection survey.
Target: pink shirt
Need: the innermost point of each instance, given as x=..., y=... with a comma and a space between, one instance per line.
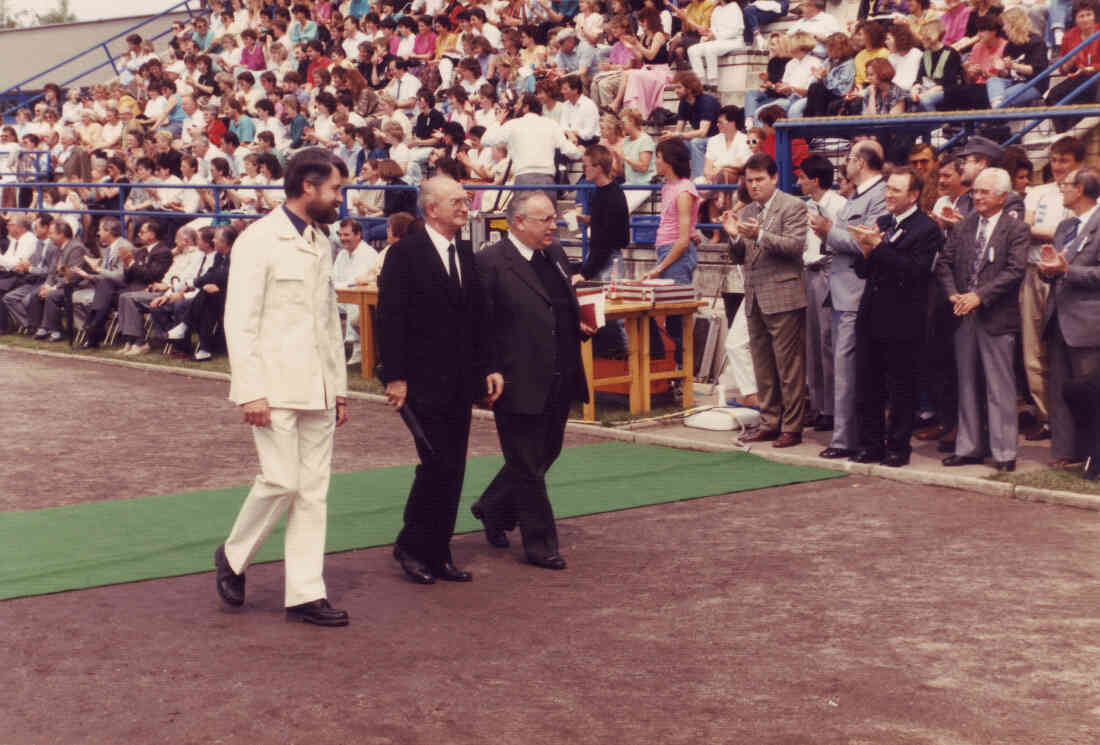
x=253, y=58
x=668, y=230
x=954, y=23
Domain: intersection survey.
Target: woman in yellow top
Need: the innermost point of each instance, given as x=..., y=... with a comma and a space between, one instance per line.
x=870, y=37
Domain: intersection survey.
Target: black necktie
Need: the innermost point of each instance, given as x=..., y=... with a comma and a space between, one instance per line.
x=452, y=266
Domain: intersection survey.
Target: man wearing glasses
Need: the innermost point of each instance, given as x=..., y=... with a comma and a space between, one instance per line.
x=430, y=305
x=534, y=343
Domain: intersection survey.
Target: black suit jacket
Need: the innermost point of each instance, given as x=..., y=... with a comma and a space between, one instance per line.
x=998, y=280
x=520, y=328
x=429, y=333
x=895, y=300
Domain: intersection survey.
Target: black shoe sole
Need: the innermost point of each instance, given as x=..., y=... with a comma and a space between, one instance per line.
x=293, y=617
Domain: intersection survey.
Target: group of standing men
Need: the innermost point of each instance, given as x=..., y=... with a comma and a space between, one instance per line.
x=878, y=259
x=502, y=329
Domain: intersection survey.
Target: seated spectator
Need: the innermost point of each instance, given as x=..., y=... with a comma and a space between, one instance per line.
x=979, y=9
x=1024, y=57
x=723, y=35
x=905, y=55
x=798, y=74
x=779, y=54
x=694, y=19
x=205, y=308
x=636, y=151
x=696, y=119
x=954, y=20
x=818, y=23
x=607, y=81
x=870, y=38
x=832, y=81
x=729, y=149
x=758, y=13
x=353, y=266
x=643, y=87
x=1080, y=67
x=941, y=70
x=882, y=95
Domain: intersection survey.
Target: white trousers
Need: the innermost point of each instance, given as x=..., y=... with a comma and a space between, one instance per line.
x=739, y=355
x=706, y=53
x=295, y=464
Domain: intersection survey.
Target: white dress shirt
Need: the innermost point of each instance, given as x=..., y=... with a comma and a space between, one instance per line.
x=24, y=248
x=442, y=246
x=581, y=118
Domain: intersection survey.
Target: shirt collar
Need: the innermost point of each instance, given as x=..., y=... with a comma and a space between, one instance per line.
x=524, y=251
x=905, y=215
x=440, y=241
x=1084, y=219
x=861, y=190
x=299, y=224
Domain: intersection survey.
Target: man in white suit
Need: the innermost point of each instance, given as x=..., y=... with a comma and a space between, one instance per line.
x=287, y=355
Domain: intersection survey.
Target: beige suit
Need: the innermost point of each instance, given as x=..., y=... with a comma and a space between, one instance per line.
x=775, y=308
x=282, y=328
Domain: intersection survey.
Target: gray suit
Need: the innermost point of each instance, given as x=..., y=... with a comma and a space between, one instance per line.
x=20, y=302
x=845, y=293
x=71, y=255
x=775, y=308
x=1072, y=332
x=985, y=340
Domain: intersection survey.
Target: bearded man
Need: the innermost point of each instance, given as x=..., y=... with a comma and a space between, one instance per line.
x=286, y=351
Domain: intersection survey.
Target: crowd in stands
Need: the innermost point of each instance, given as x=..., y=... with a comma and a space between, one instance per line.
x=513, y=91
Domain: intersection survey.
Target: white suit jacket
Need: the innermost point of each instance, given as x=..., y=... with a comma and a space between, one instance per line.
x=281, y=320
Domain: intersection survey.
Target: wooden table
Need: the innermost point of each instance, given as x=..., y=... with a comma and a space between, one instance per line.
x=366, y=297
x=635, y=317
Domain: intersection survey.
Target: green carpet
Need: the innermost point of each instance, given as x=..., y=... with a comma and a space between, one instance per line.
x=68, y=548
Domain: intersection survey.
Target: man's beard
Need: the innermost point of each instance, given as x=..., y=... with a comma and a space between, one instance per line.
x=322, y=212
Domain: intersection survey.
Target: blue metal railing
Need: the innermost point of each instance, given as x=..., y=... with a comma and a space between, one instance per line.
x=183, y=6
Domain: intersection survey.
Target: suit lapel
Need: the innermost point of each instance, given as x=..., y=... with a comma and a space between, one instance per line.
x=754, y=252
x=523, y=270
x=1086, y=235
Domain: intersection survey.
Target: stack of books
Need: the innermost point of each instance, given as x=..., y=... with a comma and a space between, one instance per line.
x=651, y=291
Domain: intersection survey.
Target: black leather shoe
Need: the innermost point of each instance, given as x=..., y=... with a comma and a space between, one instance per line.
x=553, y=561
x=896, y=460
x=317, y=612
x=866, y=455
x=90, y=344
x=495, y=535
x=961, y=460
x=1005, y=466
x=416, y=570
x=451, y=573
x=823, y=423
x=230, y=584
x=832, y=453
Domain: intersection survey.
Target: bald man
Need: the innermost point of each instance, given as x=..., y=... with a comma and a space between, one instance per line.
x=429, y=338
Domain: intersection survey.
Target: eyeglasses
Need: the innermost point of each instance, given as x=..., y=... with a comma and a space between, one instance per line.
x=463, y=202
x=544, y=220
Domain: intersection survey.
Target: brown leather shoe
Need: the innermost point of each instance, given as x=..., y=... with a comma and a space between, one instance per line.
x=760, y=435
x=787, y=440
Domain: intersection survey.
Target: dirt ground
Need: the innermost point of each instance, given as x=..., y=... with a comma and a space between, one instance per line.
x=849, y=611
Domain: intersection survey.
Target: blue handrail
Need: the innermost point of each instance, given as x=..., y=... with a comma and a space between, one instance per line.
x=102, y=45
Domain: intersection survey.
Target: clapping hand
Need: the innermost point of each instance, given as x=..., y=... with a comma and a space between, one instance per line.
x=1052, y=263
x=730, y=223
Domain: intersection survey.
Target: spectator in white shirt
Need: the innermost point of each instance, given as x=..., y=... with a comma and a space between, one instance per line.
x=817, y=23
x=581, y=118
x=353, y=266
x=727, y=27
x=402, y=86
x=730, y=147
x=194, y=124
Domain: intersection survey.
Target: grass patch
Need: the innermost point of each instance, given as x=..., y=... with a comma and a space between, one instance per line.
x=1058, y=479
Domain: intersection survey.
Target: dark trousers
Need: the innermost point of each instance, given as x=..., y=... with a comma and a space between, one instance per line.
x=432, y=508
x=938, y=380
x=888, y=375
x=517, y=496
x=204, y=315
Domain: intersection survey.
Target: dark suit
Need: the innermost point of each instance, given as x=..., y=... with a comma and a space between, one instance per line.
x=985, y=339
x=1071, y=328
x=533, y=339
x=890, y=326
x=429, y=336
x=148, y=266
x=204, y=313
x=72, y=255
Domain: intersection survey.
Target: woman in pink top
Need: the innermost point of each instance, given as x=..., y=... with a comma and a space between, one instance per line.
x=677, y=254
x=252, y=55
